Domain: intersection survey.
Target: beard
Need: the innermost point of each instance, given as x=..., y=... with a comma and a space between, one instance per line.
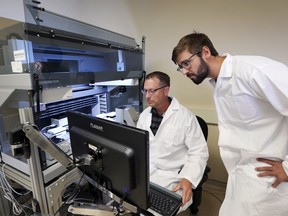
x=202, y=73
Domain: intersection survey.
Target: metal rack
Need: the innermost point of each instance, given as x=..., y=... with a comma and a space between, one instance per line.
x=52, y=64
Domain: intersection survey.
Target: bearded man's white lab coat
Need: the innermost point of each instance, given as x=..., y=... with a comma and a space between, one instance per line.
x=178, y=150
x=251, y=98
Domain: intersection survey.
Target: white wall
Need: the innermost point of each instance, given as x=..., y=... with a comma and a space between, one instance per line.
x=252, y=27
x=12, y=9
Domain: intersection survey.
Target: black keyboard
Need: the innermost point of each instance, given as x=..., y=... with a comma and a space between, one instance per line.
x=163, y=201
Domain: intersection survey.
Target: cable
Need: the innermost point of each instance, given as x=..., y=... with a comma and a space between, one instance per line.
x=83, y=200
x=72, y=196
x=17, y=208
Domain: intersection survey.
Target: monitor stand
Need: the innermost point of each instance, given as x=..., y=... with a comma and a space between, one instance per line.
x=100, y=209
x=94, y=209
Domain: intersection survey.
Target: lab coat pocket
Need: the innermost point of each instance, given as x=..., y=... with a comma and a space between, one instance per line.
x=173, y=134
x=247, y=109
x=166, y=146
x=237, y=108
x=282, y=190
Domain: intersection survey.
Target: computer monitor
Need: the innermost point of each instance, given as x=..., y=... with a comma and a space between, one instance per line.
x=121, y=155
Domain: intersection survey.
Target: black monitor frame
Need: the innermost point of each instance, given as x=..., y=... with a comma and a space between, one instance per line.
x=123, y=152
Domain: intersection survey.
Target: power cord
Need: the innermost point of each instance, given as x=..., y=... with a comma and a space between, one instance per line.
x=8, y=191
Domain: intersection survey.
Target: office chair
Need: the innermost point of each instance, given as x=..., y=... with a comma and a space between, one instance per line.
x=197, y=192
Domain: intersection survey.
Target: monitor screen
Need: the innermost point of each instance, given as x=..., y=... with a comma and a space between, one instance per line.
x=121, y=155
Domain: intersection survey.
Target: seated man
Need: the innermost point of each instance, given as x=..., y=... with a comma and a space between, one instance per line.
x=178, y=150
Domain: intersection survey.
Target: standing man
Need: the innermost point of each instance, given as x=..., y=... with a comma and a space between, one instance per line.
x=178, y=150
x=251, y=98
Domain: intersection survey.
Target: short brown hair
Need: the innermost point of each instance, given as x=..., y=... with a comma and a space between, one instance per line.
x=194, y=42
x=163, y=77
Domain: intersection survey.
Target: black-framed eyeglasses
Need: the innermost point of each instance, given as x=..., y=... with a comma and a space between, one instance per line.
x=152, y=91
x=186, y=63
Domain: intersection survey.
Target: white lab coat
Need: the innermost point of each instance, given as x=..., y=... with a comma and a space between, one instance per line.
x=178, y=150
x=251, y=98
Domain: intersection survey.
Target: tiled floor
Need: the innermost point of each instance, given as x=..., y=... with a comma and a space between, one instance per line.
x=212, y=197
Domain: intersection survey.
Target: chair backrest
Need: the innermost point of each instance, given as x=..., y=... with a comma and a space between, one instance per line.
x=203, y=126
x=197, y=192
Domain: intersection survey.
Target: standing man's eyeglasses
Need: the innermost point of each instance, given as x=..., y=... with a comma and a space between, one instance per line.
x=152, y=91
x=186, y=63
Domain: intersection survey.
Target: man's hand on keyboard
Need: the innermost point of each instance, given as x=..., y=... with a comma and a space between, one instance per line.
x=186, y=187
